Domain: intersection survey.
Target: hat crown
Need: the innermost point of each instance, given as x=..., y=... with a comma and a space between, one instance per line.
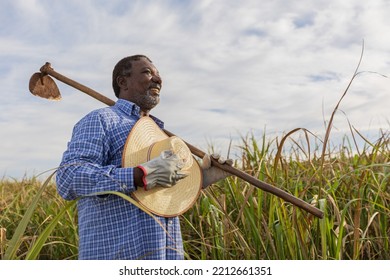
x=147, y=141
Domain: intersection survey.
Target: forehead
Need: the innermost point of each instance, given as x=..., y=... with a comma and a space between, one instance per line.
x=143, y=63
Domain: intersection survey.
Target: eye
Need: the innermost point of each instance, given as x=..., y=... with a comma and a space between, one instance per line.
x=148, y=72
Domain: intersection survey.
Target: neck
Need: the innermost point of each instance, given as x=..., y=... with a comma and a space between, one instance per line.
x=144, y=113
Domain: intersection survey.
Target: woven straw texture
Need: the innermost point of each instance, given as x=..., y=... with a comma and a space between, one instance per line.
x=145, y=142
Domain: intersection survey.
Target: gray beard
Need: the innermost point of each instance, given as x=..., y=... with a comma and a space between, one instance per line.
x=147, y=101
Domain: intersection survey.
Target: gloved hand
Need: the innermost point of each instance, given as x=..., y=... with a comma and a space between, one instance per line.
x=212, y=174
x=162, y=171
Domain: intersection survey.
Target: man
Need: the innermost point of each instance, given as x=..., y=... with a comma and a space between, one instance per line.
x=109, y=226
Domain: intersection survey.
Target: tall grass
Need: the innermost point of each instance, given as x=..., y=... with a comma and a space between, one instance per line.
x=233, y=220
x=35, y=222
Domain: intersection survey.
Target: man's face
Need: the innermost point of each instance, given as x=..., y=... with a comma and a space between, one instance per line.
x=143, y=85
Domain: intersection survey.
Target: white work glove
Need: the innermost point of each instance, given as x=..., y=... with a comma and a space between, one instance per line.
x=162, y=171
x=212, y=174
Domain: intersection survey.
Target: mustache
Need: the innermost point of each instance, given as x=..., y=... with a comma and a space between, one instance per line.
x=155, y=85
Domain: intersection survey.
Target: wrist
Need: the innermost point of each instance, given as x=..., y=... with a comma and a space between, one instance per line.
x=139, y=175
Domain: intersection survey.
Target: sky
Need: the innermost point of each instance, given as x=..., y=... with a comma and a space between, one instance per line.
x=230, y=69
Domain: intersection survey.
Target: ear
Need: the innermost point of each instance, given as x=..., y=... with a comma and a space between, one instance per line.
x=122, y=82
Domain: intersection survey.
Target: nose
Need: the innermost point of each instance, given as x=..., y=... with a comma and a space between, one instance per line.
x=157, y=79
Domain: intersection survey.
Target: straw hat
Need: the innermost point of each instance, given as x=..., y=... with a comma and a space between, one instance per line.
x=145, y=142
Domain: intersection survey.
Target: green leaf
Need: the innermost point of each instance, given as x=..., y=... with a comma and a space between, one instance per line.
x=40, y=242
x=14, y=243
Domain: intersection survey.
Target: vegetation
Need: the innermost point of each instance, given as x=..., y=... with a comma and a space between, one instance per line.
x=35, y=223
x=234, y=220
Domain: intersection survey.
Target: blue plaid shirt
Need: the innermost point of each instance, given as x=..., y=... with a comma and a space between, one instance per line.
x=109, y=226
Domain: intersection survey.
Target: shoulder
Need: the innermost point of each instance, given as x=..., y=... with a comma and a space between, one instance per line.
x=97, y=118
x=102, y=113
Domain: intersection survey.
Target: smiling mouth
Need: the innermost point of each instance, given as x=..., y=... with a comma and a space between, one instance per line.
x=155, y=89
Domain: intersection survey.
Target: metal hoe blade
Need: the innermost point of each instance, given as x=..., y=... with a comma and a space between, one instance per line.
x=44, y=86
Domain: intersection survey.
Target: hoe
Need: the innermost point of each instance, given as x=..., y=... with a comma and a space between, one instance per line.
x=41, y=84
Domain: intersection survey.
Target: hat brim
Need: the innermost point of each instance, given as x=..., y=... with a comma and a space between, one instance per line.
x=162, y=201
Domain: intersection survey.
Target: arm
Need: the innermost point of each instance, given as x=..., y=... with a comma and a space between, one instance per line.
x=86, y=167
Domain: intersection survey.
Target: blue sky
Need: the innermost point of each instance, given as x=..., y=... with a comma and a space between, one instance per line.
x=229, y=68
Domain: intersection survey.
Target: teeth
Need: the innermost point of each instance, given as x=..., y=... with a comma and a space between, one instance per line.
x=155, y=90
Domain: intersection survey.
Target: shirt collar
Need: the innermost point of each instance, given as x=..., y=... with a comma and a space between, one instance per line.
x=127, y=107
x=132, y=109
